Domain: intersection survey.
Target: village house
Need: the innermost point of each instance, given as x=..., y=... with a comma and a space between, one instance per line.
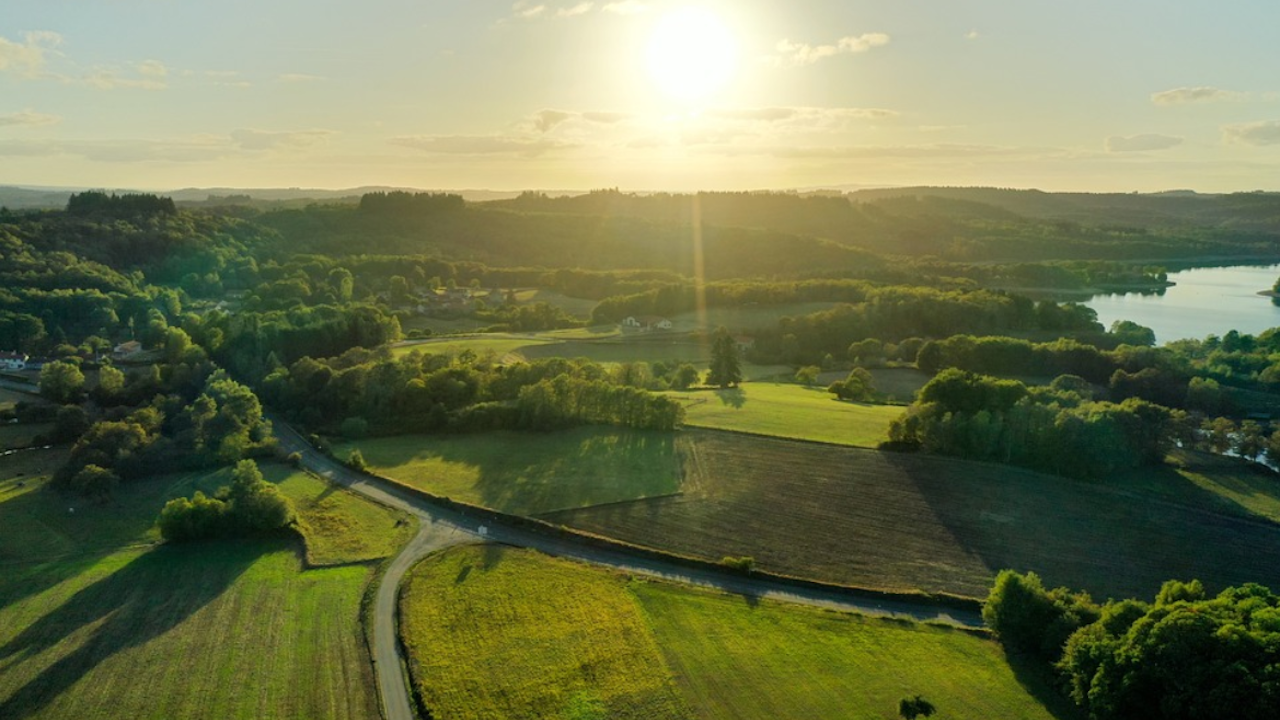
x=127, y=349
x=13, y=361
x=647, y=323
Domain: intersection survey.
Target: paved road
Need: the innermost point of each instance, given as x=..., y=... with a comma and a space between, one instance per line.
x=441, y=528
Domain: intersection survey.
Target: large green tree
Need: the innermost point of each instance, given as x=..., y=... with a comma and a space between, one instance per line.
x=726, y=369
x=61, y=381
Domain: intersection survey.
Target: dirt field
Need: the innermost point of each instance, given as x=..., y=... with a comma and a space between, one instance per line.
x=898, y=521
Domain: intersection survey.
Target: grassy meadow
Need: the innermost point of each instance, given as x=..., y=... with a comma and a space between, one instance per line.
x=790, y=411
x=908, y=522
x=100, y=620
x=531, y=473
x=500, y=632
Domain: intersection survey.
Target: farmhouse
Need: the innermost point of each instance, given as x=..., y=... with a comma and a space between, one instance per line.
x=13, y=361
x=127, y=349
x=647, y=323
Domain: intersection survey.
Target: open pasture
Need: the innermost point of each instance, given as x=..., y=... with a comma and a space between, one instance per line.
x=788, y=410
x=499, y=632
x=532, y=473
x=97, y=620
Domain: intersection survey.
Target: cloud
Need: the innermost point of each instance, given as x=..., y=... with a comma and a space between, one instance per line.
x=479, y=144
x=579, y=9
x=1186, y=95
x=605, y=118
x=972, y=35
x=525, y=10
x=28, y=118
x=249, y=139
x=795, y=54
x=1146, y=142
x=28, y=56
x=152, y=68
x=110, y=79
x=625, y=7
x=299, y=78
x=1265, y=132
x=545, y=121
x=811, y=116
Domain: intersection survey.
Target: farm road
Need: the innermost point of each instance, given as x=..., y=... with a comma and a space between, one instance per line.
x=441, y=528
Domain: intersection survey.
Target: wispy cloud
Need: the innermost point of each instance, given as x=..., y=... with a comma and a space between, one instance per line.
x=526, y=10
x=480, y=144
x=794, y=54
x=28, y=56
x=1265, y=132
x=814, y=116
x=1147, y=142
x=300, y=78
x=113, y=79
x=28, y=118
x=1187, y=95
x=625, y=7
x=580, y=9
x=152, y=69
x=250, y=139
x=545, y=121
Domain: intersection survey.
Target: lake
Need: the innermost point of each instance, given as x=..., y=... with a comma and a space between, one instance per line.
x=1205, y=301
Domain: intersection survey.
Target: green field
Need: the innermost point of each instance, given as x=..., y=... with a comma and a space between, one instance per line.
x=531, y=473
x=790, y=411
x=499, y=632
x=97, y=620
x=9, y=398
x=497, y=343
x=744, y=319
x=907, y=522
x=20, y=435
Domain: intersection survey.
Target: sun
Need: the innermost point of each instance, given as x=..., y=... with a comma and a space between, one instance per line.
x=691, y=55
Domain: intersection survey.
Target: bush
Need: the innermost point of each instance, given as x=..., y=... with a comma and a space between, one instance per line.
x=742, y=564
x=294, y=459
x=355, y=460
x=354, y=428
x=249, y=506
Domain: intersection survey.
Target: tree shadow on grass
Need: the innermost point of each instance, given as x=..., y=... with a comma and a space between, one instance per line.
x=146, y=598
x=733, y=397
x=1041, y=683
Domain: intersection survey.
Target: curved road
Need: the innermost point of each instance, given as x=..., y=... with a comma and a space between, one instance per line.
x=441, y=528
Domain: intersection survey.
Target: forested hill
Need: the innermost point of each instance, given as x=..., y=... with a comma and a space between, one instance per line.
x=964, y=223
x=1259, y=212
x=505, y=238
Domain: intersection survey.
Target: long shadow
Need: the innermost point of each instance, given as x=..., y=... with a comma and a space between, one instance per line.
x=1099, y=536
x=540, y=472
x=146, y=598
x=1039, y=682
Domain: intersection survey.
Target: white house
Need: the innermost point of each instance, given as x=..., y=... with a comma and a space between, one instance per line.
x=13, y=361
x=647, y=323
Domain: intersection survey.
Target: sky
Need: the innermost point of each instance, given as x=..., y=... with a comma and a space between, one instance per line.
x=641, y=95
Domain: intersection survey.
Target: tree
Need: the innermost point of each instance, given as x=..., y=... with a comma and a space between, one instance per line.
x=808, y=375
x=726, y=371
x=914, y=707
x=95, y=482
x=110, y=382
x=61, y=381
x=356, y=460
x=685, y=377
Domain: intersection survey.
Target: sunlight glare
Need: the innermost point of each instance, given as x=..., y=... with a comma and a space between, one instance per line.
x=691, y=54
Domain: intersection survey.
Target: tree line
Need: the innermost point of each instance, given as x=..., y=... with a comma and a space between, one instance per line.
x=1186, y=655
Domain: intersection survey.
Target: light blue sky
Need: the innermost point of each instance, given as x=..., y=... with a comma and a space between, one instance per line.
x=1090, y=95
